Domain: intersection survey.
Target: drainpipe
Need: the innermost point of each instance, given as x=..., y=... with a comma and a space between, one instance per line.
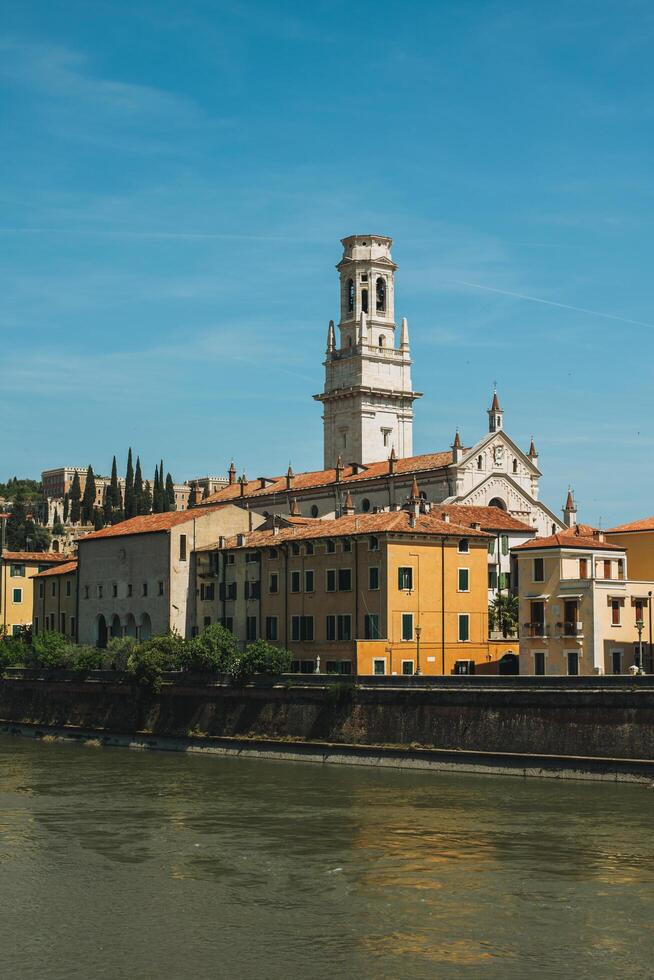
x=77, y=590
x=443, y=606
x=285, y=550
x=356, y=600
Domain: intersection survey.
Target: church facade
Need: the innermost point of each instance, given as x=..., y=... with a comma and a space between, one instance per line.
x=368, y=403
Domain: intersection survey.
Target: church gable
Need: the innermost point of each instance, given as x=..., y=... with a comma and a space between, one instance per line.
x=498, y=453
x=499, y=490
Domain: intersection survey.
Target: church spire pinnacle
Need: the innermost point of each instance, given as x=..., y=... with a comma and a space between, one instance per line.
x=570, y=510
x=331, y=338
x=495, y=413
x=404, y=334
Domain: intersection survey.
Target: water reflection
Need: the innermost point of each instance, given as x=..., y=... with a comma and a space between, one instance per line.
x=291, y=870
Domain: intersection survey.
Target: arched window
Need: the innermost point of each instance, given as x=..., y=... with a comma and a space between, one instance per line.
x=350, y=295
x=130, y=626
x=364, y=300
x=515, y=465
x=497, y=502
x=480, y=462
x=365, y=505
x=381, y=295
x=314, y=510
x=145, y=628
x=381, y=340
x=101, y=634
x=116, y=628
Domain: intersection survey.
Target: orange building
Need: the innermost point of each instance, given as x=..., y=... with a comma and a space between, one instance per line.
x=17, y=568
x=397, y=592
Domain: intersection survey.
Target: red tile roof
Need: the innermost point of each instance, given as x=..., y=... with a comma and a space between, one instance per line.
x=40, y=557
x=567, y=540
x=490, y=518
x=646, y=524
x=321, y=478
x=394, y=522
x=148, y=523
x=65, y=569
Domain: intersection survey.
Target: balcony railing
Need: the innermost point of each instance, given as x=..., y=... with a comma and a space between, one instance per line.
x=532, y=629
x=570, y=630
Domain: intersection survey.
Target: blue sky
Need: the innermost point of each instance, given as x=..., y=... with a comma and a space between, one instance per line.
x=176, y=179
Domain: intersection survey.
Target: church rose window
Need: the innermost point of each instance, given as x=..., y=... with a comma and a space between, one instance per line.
x=381, y=294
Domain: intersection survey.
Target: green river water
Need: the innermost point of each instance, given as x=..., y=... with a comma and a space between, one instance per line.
x=118, y=864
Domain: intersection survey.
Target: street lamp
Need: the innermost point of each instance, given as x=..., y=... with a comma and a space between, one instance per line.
x=317, y=670
x=639, y=626
x=418, y=632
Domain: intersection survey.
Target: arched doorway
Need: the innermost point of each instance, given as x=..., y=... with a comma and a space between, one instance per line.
x=116, y=628
x=509, y=664
x=130, y=626
x=101, y=633
x=145, y=628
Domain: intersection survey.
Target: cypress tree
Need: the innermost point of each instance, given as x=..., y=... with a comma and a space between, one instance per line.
x=138, y=488
x=156, y=493
x=147, y=498
x=114, y=488
x=130, y=503
x=98, y=519
x=170, y=493
x=75, y=497
x=66, y=508
x=88, y=500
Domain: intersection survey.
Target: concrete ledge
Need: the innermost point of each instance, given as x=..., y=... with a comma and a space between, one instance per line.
x=329, y=753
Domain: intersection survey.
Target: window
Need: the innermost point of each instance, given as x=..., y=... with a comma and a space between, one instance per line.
x=373, y=577
x=364, y=300
x=330, y=627
x=492, y=577
x=583, y=568
x=53, y=587
x=365, y=505
x=68, y=587
x=344, y=627
x=72, y=626
x=272, y=553
x=505, y=580
x=295, y=581
x=62, y=628
x=314, y=510
x=373, y=543
x=464, y=580
x=539, y=662
x=206, y=591
x=232, y=590
x=615, y=612
x=17, y=595
x=86, y=591
x=515, y=465
x=346, y=544
x=371, y=627
x=231, y=559
x=607, y=569
x=330, y=547
x=36, y=624
x=273, y=583
x=539, y=571
x=182, y=547
x=308, y=580
x=301, y=628
x=464, y=627
x=491, y=546
x=378, y=666
x=161, y=589
x=308, y=548
x=252, y=590
x=573, y=662
x=405, y=579
x=407, y=667
x=100, y=591
x=114, y=590
x=251, y=557
x=129, y=591
x=207, y=621
x=271, y=628
x=295, y=548
x=345, y=580
x=18, y=571
x=381, y=342
x=407, y=626
x=145, y=588
x=638, y=606
x=464, y=546
x=330, y=580
x=380, y=301
x=350, y=295
x=616, y=661
x=251, y=628
x=41, y=590
x=480, y=462
x=228, y=623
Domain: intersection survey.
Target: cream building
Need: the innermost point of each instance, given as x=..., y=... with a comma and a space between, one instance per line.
x=579, y=611
x=55, y=600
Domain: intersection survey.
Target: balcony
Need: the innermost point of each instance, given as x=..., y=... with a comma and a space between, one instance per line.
x=530, y=630
x=570, y=630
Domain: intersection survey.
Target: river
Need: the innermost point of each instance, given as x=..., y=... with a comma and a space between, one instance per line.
x=119, y=864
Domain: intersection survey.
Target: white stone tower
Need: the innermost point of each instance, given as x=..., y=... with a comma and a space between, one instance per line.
x=368, y=399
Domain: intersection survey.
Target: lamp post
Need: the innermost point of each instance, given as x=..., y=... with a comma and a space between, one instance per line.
x=317, y=670
x=418, y=632
x=639, y=626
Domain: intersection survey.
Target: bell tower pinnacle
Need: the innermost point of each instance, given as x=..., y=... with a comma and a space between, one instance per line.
x=368, y=398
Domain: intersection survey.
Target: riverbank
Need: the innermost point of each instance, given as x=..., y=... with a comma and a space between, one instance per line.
x=563, y=727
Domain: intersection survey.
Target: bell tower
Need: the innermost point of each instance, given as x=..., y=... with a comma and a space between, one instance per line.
x=368, y=398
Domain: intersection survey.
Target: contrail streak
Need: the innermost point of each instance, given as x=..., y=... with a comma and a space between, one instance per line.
x=549, y=302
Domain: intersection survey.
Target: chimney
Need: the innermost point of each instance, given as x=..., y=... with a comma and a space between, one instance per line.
x=240, y=540
x=412, y=518
x=339, y=469
x=231, y=473
x=295, y=508
x=222, y=541
x=348, y=508
x=446, y=518
x=250, y=528
x=290, y=476
x=242, y=482
x=275, y=529
x=392, y=461
x=475, y=525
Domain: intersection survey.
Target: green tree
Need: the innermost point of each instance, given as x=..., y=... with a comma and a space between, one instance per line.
x=75, y=498
x=170, y=493
x=15, y=531
x=88, y=498
x=259, y=657
x=66, y=508
x=156, y=493
x=212, y=650
x=503, y=614
x=98, y=518
x=114, y=487
x=147, y=498
x=130, y=501
x=138, y=488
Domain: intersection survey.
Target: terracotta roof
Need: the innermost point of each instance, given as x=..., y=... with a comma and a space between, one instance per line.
x=41, y=557
x=321, y=478
x=495, y=407
x=532, y=449
x=395, y=522
x=65, y=569
x=149, y=523
x=570, y=502
x=569, y=541
x=586, y=530
x=490, y=518
x=646, y=524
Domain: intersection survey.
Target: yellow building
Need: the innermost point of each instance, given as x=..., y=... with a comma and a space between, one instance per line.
x=579, y=611
x=55, y=599
x=637, y=538
x=17, y=568
x=387, y=593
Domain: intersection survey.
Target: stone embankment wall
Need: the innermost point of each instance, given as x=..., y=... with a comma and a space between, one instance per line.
x=564, y=717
